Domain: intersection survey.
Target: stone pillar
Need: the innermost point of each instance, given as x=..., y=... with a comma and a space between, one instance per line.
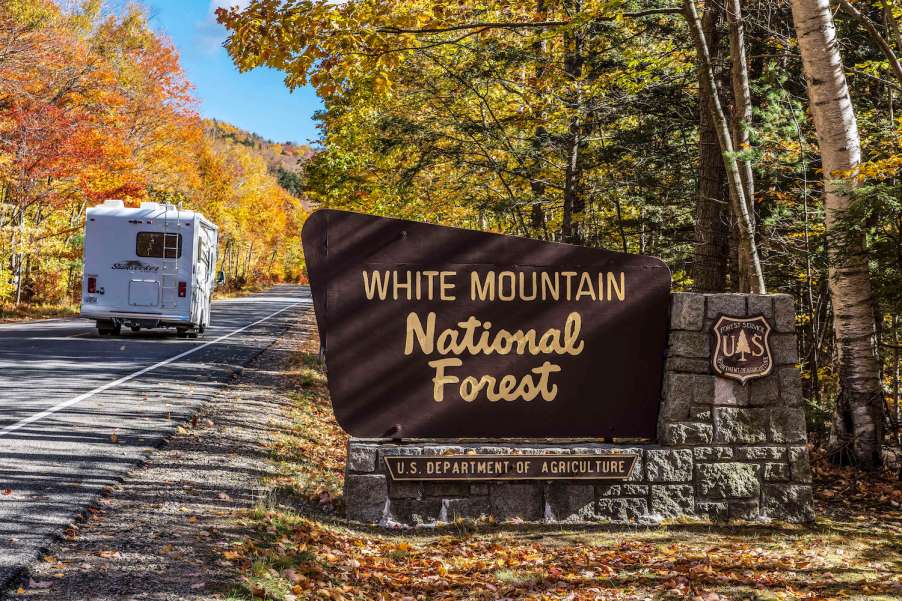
x=749, y=458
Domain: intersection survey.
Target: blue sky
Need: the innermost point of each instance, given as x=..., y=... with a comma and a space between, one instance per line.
x=257, y=101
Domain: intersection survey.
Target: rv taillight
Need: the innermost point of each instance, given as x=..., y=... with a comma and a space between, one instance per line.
x=92, y=285
x=183, y=289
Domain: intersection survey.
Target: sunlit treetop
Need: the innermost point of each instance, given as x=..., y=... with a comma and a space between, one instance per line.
x=330, y=45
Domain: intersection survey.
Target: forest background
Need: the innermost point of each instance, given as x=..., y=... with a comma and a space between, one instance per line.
x=95, y=105
x=668, y=129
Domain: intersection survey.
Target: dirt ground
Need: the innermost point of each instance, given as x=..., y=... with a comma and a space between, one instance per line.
x=245, y=502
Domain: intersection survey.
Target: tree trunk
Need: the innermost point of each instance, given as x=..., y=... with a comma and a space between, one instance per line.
x=571, y=226
x=574, y=203
x=742, y=121
x=19, y=255
x=898, y=409
x=734, y=179
x=857, y=431
x=537, y=209
x=712, y=215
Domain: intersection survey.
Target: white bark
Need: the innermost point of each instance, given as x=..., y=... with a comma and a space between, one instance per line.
x=858, y=420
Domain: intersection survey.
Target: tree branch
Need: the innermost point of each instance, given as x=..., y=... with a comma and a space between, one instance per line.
x=886, y=82
x=477, y=25
x=875, y=35
x=527, y=24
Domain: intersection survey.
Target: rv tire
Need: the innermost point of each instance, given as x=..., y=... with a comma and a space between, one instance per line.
x=136, y=328
x=108, y=328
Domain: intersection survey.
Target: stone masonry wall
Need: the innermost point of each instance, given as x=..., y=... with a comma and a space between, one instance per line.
x=724, y=451
x=749, y=458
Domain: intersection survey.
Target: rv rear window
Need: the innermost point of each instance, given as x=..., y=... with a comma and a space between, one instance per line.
x=150, y=244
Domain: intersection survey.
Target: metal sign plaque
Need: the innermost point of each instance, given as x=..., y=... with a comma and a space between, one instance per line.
x=613, y=466
x=439, y=332
x=742, y=347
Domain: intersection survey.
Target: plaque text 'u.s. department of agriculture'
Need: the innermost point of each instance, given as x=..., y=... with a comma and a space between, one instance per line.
x=614, y=466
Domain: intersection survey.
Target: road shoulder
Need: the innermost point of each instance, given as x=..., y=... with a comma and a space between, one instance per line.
x=165, y=531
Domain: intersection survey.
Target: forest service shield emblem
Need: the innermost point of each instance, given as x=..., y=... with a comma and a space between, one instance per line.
x=741, y=347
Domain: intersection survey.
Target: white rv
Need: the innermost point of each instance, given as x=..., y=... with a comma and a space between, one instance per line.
x=150, y=267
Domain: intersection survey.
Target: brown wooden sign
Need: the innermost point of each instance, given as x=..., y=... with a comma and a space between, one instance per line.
x=614, y=466
x=438, y=332
x=741, y=347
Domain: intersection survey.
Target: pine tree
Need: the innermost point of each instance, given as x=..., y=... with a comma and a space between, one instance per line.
x=742, y=345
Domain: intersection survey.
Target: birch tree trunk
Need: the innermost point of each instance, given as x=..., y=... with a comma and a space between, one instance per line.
x=734, y=179
x=857, y=431
x=742, y=121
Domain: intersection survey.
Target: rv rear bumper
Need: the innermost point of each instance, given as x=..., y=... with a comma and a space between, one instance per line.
x=163, y=318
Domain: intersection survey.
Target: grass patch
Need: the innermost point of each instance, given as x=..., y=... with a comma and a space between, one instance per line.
x=309, y=552
x=519, y=578
x=310, y=453
x=25, y=311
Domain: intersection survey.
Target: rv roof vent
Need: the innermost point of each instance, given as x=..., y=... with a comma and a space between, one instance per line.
x=150, y=205
x=113, y=203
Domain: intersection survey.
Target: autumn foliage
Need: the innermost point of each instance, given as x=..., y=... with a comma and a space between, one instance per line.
x=95, y=107
x=586, y=122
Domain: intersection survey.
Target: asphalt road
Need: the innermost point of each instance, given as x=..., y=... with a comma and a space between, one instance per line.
x=77, y=411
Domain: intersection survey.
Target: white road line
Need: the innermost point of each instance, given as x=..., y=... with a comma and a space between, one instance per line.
x=132, y=376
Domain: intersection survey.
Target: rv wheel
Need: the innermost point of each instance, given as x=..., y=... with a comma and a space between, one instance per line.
x=108, y=328
x=136, y=328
